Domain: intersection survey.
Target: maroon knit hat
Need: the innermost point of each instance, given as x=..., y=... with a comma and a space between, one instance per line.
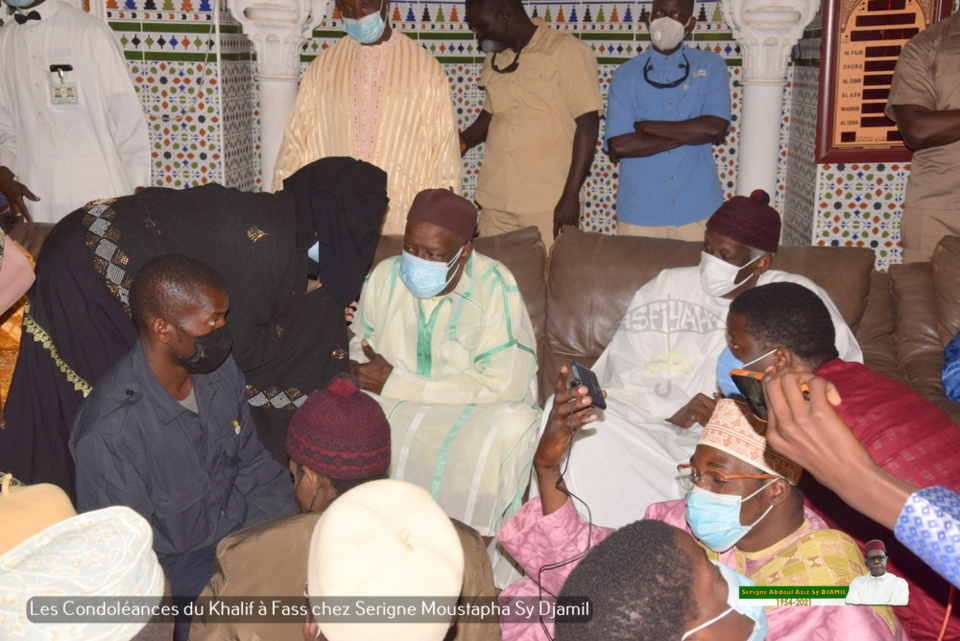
x=340, y=432
x=445, y=209
x=751, y=221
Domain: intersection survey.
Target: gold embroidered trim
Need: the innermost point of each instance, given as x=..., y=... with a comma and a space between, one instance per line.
x=255, y=233
x=41, y=336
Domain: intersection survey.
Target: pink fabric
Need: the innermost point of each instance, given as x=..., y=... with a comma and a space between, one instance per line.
x=534, y=540
x=821, y=623
x=369, y=68
x=912, y=440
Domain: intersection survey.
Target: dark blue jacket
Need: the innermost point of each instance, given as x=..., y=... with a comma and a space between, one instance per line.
x=194, y=478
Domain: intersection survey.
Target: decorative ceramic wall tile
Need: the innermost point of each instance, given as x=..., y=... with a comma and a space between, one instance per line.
x=855, y=204
x=859, y=204
x=197, y=90
x=778, y=198
x=800, y=181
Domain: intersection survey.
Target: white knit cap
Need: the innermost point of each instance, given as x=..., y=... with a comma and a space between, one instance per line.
x=104, y=553
x=384, y=539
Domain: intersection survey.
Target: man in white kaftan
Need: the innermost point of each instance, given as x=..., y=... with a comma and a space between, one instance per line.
x=660, y=368
x=459, y=388
x=386, y=102
x=878, y=587
x=71, y=126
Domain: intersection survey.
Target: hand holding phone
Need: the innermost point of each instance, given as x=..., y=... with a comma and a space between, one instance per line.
x=750, y=385
x=580, y=375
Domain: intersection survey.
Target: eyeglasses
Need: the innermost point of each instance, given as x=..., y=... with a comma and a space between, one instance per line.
x=690, y=476
x=873, y=559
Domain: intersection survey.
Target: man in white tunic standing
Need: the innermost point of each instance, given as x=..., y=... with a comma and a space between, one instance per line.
x=71, y=126
x=661, y=369
x=444, y=343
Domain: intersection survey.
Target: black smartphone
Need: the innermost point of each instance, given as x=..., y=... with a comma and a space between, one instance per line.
x=750, y=385
x=580, y=375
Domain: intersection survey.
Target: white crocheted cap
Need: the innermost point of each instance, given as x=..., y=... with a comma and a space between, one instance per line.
x=104, y=553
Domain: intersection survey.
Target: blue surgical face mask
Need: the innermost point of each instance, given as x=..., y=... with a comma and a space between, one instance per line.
x=715, y=518
x=756, y=612
x=19, y=4
x=367, y=29
x=426, y=278
x=726, y=363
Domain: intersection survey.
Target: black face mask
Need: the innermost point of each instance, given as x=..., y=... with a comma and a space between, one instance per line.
x=209, y=351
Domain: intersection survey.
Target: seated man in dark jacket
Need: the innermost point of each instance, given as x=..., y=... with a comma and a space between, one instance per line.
x=167, y=430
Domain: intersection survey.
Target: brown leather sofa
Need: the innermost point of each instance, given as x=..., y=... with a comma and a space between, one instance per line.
x=578, y=296
x=903, y=319
x=926, y=303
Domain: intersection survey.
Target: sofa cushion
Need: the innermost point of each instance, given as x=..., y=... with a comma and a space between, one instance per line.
x=918, y=341
x=844, y=272
x=946, y=279
x=592, y=278
x=877, y=331
x=521, y=251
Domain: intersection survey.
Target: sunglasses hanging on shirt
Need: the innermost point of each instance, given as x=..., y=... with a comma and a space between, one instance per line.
x=648, y=67
x=509, y=68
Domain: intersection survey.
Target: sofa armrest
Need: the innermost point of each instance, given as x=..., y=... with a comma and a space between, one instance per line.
x=31, y=236
x=919, y=347
x=877, y=331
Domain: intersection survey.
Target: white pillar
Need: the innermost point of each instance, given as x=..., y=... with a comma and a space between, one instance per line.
x=277, y=28
x=766, y=31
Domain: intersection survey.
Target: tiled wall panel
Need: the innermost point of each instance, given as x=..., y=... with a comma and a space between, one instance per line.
x=195, y=81
x=204, y=120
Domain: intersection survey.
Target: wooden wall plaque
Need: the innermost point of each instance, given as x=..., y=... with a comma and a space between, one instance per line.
x=861, y=42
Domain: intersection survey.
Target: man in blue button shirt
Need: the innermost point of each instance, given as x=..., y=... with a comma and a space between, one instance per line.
x=666, y=108
x=167, y=430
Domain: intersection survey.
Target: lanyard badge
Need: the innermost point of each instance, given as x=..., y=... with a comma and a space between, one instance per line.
x=63, y=93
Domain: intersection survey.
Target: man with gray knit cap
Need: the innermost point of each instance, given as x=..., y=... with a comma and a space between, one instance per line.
x=661, y=368
x=337, y=440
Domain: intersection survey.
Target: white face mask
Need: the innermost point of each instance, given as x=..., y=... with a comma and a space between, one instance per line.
x=666, y=33
x=718, y=277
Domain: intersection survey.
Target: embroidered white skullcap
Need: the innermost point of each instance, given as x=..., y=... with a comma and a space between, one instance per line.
x=26, y=510
x=384, y=538
x=729, y=430
x=104, y=553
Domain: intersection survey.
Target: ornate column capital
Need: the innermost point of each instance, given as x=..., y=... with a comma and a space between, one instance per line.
x=277, y=29
x=767, y=30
